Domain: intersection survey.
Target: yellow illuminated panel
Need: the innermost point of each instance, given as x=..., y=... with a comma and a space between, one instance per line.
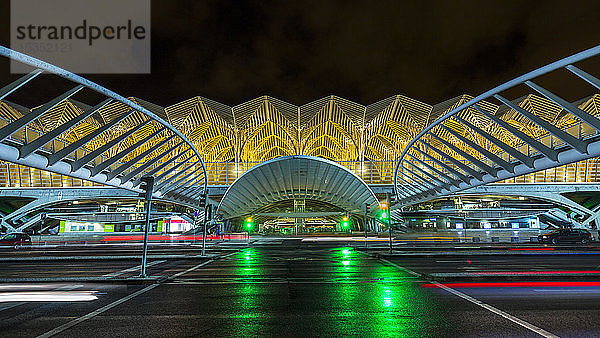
x=366, y=139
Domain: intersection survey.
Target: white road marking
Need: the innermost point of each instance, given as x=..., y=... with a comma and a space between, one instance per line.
x=416, y=274
x=96, y=312
x=497, y=311
x=231, y=254
x=134, y=268
x=191, y=269
x=488, y=307
x=198, y=266
x=119, y=301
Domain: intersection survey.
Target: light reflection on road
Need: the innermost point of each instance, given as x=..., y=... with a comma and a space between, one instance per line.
x=48, y=296
x=339, y=291
x=10, y=293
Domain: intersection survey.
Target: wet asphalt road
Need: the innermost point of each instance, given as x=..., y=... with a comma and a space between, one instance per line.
x=497, y=262
x=302, y=291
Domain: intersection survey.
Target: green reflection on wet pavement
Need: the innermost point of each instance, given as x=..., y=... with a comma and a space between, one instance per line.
x=378, y=300
x=324, y=292
x=248, y=308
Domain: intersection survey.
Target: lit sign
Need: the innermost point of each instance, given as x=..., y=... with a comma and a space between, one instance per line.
x=533, y=223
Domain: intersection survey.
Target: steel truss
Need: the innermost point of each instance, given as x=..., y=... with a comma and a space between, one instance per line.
x=476, y=142
x=130, y=142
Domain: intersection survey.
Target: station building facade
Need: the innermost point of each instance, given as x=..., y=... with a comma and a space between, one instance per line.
x=365, y=139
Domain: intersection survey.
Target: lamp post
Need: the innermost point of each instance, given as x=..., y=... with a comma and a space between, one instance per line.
x=194, y=225
x=465, y=224
x=204, y=225
x=366, y=210
x=388, y=201
x=147, y=187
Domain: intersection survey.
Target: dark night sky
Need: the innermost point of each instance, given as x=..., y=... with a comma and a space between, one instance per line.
x=233, y=51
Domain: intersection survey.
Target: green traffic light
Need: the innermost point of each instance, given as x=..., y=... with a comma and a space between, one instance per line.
x=384, y=214
x=345, y=224
x=249, y=223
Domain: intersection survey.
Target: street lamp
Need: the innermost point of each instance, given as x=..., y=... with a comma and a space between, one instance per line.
x=147, y=187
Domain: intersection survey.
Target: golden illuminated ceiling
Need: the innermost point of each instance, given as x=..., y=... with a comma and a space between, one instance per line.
x=331, y=127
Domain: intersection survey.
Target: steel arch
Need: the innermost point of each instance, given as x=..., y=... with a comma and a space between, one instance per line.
x=465, y=147
x=296, y=177
x=148, y=145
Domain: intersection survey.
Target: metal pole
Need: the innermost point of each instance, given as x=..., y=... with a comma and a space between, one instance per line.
x=148, y=187
x=365, y=210
x=390, y=231
x=194, y=225
x=147, y=226
x=465, y=226
x=204, y=223
x=389, y=217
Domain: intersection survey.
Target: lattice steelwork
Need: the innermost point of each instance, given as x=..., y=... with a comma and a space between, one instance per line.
x=489, y=138
x=64, y=142
x=365, y=139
